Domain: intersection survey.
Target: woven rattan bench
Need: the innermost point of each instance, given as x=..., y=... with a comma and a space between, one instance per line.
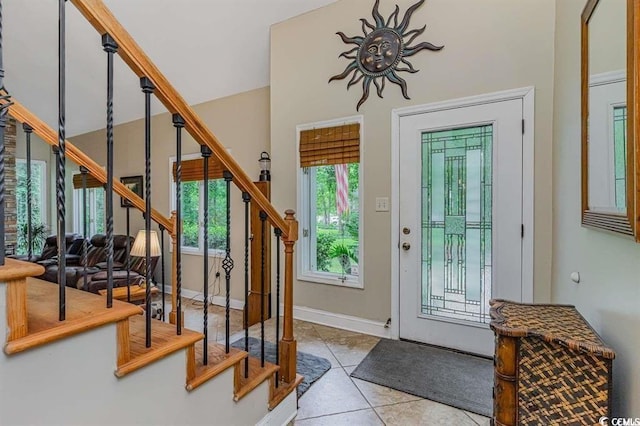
x=551, y=367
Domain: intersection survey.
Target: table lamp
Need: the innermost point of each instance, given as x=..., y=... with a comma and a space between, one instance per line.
x=140, y=245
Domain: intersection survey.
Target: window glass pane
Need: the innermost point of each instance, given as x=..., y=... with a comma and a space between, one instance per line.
x=190, y=209
x=39, y=229
x=98, y=208
x=217, y=227
x=337, y=247
x=620, y=155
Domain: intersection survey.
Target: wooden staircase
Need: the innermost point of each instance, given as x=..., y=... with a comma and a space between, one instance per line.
x=32, y=319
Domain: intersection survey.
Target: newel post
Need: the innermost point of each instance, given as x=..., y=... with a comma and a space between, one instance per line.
x=288, y=343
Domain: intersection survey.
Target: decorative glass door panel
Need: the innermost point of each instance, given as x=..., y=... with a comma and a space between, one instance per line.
x=456, y=222
x=460, y=213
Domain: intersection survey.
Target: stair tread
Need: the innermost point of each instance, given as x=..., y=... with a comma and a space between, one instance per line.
x=84, y=312
x=257, y=375
x=164, y=341
x=218, y=362
x=283, y=390
x=15, y=269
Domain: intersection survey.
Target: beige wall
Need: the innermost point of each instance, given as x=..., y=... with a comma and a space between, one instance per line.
x=241, y=122
x=609, y=292
x=489, y=46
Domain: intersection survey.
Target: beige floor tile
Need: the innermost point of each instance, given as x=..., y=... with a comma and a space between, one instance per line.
x=380, y=395
x=354, y=418
x=318, y=348
x=481, y=420
x=351, y=350
x=333, y=393
x=423, y=412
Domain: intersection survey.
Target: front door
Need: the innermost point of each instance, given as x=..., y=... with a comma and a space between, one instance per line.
x=460, y=216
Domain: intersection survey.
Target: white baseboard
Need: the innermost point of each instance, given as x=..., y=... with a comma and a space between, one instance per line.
x=215, y=300
x=316, y=316
x=345, y=322
x=283, y=413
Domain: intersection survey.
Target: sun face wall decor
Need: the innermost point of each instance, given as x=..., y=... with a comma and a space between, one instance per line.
x=378, y=55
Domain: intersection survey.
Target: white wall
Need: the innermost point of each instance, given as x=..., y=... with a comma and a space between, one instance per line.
x=609, y=292
x=490, y=45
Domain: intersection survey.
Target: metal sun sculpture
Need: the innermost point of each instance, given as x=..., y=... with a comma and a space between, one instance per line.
x=378, y=54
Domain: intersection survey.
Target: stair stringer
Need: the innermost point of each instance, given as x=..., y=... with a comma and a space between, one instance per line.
x=72, y=381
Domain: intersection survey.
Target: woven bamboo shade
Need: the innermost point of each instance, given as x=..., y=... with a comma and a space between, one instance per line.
x=92, y=182
x=330, y=145
x=193, y=170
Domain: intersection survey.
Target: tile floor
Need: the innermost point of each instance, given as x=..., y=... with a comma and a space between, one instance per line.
x=336, y=398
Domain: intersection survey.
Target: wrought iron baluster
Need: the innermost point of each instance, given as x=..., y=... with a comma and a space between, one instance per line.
x=246, y=198
x=110, y=46
x=263, y=228
x=162, y=229
x=147, y=88
x=227, y=263
x=206, y=153
x=60, y=170
x=178, y=123
x=28, y=130
x=278, y=233
x=85, y=226
x=128, y=251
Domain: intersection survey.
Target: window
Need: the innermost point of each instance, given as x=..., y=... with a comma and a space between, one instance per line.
x=620, y=155
x=94, y=211
x=38, y=201
x=329, y=204
x=193, y=204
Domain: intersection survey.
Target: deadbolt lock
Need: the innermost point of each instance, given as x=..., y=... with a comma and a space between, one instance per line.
x=406, y=231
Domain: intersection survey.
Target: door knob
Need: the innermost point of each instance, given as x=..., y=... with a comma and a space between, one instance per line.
x=406, y=246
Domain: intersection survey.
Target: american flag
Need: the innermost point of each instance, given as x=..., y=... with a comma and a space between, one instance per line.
x=342, y=188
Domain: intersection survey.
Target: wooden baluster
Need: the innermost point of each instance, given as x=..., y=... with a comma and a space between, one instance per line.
x=288, y=344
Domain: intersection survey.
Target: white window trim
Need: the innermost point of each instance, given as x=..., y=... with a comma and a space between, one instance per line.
x=303, y=253
x=199, y=251
x=42, y=189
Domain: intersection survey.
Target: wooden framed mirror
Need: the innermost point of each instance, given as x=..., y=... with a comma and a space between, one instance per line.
x=610, y=79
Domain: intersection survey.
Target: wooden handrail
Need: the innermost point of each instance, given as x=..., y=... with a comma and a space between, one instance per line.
x=104, y=22
x=50, y=136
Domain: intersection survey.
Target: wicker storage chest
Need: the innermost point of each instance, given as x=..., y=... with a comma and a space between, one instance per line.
x=551, y=367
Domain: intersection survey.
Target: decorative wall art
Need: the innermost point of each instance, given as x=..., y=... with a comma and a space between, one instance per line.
x=379, y=54
x=135, y=184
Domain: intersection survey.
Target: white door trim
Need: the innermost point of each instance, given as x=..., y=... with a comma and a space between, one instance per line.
x=527, y=94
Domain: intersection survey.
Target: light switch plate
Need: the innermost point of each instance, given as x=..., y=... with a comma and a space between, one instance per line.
x=382, y=204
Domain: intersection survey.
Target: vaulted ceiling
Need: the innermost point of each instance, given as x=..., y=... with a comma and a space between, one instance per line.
x=207, y=49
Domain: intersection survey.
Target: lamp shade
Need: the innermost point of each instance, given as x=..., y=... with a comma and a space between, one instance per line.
x=140, y=244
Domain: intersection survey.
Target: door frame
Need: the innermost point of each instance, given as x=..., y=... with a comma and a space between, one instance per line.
x=527, y=95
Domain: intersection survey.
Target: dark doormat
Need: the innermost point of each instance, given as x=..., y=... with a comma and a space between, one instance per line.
x=309, y=366
x=452, y=378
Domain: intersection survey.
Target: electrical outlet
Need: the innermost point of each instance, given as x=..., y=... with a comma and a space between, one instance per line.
x=382, y=204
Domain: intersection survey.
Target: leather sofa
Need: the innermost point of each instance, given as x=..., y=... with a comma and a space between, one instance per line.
x=96, y=266
x=50, y=249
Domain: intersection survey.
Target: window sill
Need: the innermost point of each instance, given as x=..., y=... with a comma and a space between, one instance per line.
x=331, y=279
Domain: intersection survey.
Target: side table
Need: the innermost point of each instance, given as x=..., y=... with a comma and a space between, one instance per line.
x=550, y=366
